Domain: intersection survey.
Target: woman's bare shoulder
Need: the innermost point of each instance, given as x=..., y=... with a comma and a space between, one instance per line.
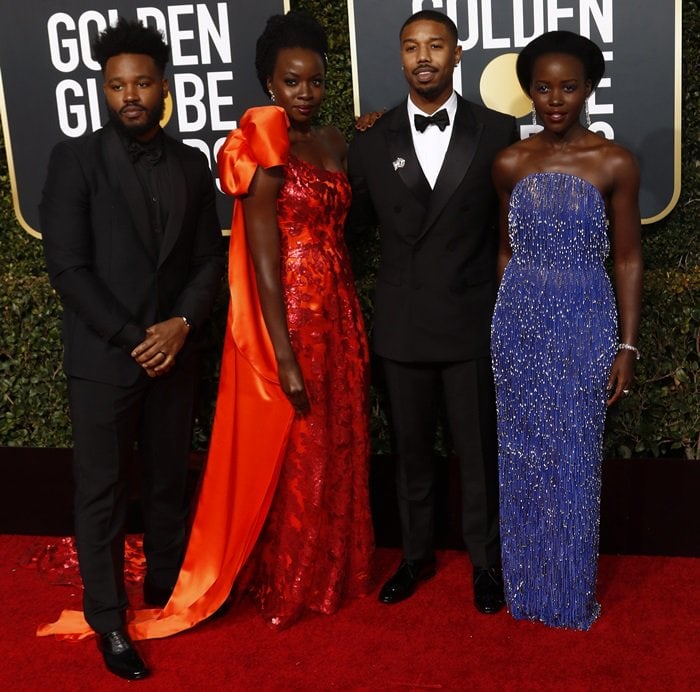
x=509, y=163
x=332, y=138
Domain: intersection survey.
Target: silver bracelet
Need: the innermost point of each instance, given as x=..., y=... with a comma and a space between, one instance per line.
x=189, y=324
x=629, y=347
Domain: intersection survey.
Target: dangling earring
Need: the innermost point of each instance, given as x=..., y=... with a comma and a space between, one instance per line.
x=534, y=114
x=272, y=97
x=587, y=114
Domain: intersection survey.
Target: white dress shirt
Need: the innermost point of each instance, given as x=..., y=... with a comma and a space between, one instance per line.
x=431, y=144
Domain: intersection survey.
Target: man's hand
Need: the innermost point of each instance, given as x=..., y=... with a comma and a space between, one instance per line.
x=156, y=354
x=366, y=120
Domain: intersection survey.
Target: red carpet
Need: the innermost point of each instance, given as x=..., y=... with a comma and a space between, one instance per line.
x=648, y=638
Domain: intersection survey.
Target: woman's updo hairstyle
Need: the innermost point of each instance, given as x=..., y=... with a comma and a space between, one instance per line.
x=292, y=30
x=560, y=42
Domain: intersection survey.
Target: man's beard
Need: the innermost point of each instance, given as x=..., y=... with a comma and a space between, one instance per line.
x=135, y=131
x=428, y=92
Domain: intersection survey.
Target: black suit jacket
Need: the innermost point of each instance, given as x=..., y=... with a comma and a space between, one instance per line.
x=102, y=261
x=436, y=282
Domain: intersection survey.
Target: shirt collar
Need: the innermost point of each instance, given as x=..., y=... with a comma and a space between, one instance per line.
x=152, y=151
x=450, y=105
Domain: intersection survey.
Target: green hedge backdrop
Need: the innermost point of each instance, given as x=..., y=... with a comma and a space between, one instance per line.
x=660, y=418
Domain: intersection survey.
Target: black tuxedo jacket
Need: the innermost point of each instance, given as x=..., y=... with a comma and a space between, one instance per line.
x=101, y=258
x=436, y=282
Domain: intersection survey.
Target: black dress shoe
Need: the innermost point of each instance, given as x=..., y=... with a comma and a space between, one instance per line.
x=121, y=658
x=404, y=582
x=155, y=595
x=488, y=590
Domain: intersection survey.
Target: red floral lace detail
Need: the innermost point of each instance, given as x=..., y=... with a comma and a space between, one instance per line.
x=58, y=562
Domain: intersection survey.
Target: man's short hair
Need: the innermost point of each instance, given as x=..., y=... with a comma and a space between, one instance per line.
x=130, y=36
x=432, y=16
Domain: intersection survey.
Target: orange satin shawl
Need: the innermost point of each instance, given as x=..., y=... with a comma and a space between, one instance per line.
x=251, y=423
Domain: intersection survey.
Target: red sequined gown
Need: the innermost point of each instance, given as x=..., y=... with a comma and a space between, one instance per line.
x=317, y=541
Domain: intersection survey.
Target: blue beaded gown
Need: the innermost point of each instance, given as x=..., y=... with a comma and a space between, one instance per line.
x=553, y=341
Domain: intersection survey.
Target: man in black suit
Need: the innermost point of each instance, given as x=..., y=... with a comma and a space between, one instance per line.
x=423, y=171
x=133, y=247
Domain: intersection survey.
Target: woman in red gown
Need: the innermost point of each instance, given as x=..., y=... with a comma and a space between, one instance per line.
x=290, y=439
x=317, y=541
x=285, y=489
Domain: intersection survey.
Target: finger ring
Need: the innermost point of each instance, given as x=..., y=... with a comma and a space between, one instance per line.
x=625, y=391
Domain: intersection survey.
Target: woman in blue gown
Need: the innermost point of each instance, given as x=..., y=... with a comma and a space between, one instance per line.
x=567, y=196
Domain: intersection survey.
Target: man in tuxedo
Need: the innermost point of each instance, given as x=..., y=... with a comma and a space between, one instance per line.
x=423, y=172
x=133, y=247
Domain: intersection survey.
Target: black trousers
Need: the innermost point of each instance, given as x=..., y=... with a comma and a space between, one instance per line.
x=414, y=396
x=155, y=416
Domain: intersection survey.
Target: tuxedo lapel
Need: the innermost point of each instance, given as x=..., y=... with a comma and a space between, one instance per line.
x=178, y=200
x=403, y=156
x=123, y=176
x=466, y=133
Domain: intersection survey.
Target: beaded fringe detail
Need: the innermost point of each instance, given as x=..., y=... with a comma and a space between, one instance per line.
x=553, y=341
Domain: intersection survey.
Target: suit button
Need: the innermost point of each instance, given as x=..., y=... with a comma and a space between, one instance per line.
x=397, y=209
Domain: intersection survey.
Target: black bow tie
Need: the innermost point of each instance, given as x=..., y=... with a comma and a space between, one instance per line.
x=441, y=119
x=152, y=152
